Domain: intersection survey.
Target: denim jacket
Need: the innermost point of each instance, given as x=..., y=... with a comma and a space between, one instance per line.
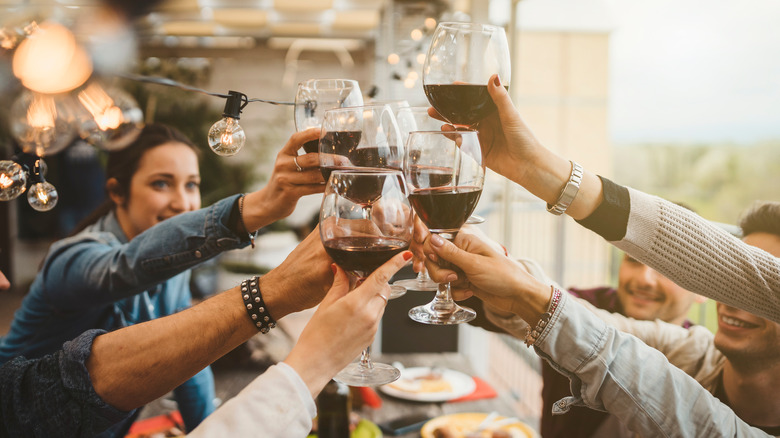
x=99, y=280
x=614, y=371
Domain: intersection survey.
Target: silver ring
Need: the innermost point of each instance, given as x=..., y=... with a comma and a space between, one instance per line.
x=382, y=297
x=298, y=166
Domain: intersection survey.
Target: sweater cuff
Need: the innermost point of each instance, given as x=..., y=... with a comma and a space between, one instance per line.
x=300, y=387
x=610, y=218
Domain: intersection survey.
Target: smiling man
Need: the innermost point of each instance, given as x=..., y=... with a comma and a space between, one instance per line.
x=643, y=294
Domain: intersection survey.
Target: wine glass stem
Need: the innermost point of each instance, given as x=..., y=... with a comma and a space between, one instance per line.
x=365, y=359
x=423, y=276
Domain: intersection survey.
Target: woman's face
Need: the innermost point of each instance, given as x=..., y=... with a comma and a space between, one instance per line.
x=166, y=183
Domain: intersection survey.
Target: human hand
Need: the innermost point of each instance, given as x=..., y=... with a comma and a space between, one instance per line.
x=287, y=184
x=501, y=282
x=417, y=245
x=301, y=281
x=343, y=325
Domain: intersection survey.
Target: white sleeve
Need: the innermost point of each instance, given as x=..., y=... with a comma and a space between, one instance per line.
x=701, y=257
x=277, y=404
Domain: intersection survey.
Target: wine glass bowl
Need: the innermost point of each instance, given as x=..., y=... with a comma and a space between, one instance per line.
x=461, y=59
x=360, y=137
x=360, y=241
x=445, y=175
x=315, y=96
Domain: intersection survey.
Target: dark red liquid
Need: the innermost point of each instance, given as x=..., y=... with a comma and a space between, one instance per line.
x=362, y=255
x=311, y=146
x=336, y=143
x=364, y=189
x=384, y=157
x=461, y=104
x=445, y=208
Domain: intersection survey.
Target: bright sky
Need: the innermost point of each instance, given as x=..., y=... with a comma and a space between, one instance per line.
x=689, y=70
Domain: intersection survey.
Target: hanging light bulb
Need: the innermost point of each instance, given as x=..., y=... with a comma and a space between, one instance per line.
x=113, y=119
x=43, y=124
x=42, y=195
x=13, y=180
x=226, y=137
x=51, y=61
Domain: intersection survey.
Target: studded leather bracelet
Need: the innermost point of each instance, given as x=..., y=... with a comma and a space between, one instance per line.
x=255, y=306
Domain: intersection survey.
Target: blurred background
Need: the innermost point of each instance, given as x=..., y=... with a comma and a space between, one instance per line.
x=678, y=99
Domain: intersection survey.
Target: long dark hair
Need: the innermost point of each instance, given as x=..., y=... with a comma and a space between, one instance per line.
x=762, y=217
x=123, y=164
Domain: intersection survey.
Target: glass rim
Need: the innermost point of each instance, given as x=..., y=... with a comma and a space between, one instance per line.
x=468, y=25
x=352, y=108
x=377, y=171
x=466, y=131
x=327, y=79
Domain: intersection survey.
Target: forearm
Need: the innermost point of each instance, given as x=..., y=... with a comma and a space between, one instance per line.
x=617, y=372
x=132, y=366
x=547, y=176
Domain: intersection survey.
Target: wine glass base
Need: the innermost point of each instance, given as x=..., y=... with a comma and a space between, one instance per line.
x=427, y=315
x=426, y=285
x=396, y=291
x=357, y=375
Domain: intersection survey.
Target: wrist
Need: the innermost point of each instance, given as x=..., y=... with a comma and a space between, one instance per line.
x=310, y=370
x=255, y=214
x=532, y=302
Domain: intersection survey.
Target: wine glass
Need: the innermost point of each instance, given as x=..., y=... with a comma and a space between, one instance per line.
x=360, y=243
x=358, y=138
x=445, y=175
x=460, y=61
x=417, y=119
x=314, y=96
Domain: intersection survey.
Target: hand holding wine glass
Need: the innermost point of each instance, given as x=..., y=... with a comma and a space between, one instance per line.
x=461, y=59
x=360, y=242
x=445, y=175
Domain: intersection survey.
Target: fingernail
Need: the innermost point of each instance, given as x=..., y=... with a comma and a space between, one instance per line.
x=333, y=268
x=437, y=240
x=432, y=257
x=407, y=255
x=497, y=81
x=452, y=277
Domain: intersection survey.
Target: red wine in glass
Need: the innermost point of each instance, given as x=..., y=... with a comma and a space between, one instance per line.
x=311, y=146
x=445, y=209
x=361, y=255
x=461, y=104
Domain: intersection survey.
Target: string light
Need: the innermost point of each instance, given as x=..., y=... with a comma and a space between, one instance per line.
x=43, y=124
x=114, y=119
x=226, y=137
x=13, y=180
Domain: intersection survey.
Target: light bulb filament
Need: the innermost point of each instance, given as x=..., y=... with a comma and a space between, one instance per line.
x=42, y=112
x=5, y=181
x=106, y=114
x=42, y=196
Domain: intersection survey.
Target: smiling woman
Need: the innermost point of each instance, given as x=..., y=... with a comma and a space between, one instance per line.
x=130, y=261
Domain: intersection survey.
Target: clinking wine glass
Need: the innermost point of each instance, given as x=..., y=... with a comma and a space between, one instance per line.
x=315, y=96
x=360, y=138
x=445, y=176
x=360, y=243
x=461, y=59
x=417, y=119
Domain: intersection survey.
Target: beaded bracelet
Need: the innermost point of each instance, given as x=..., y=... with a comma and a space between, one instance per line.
x=255, y=307
x=533, y=335
x=241, y=218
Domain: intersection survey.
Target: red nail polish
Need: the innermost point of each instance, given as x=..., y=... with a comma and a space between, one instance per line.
x=407, y=255
x=497, y=81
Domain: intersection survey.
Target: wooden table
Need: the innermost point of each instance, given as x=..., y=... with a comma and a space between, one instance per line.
x=393, y=408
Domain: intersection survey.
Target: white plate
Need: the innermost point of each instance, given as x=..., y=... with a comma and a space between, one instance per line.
x=407, y=387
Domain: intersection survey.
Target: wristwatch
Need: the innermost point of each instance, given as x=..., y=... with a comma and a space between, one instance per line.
x=569, y=191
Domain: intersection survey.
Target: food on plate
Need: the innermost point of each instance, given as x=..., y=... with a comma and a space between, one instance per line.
x=470, y=425
x=425, y=383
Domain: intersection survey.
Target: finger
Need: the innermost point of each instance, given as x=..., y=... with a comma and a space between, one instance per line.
x=446, y=250
x=435, y=114
x=306, y=177
x=309, y=160
x=461, y=294
x=500, y=96
x=298, y=139
x=420, y=231
x=339, y=288
x=439, y=274
x=377, y=281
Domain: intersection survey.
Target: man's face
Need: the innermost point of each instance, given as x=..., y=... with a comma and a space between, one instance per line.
x=646, y=294
x=742, y=336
